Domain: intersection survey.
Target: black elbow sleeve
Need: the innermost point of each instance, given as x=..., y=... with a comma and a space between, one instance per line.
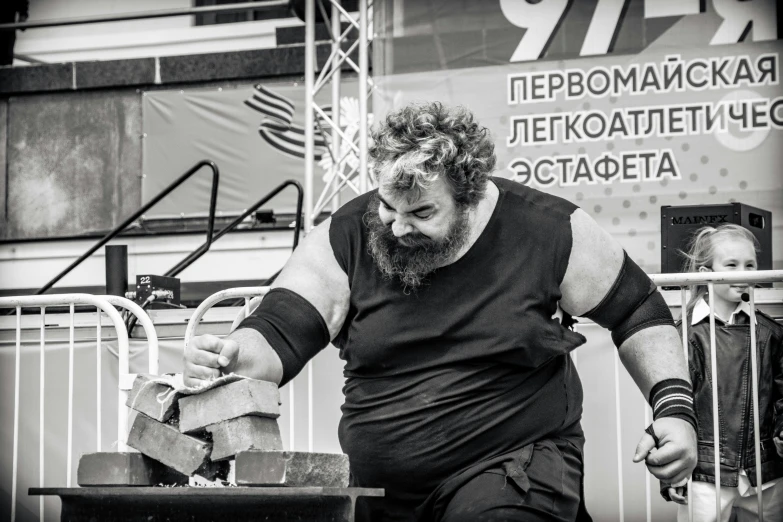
x=631, y=305
x=292, y=326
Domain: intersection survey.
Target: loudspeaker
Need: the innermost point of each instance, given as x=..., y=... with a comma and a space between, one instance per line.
x=678, y=223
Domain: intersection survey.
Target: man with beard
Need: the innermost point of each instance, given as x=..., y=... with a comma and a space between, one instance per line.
x=442, y=289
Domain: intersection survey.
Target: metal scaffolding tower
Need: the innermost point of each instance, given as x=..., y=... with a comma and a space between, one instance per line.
x=348, y=154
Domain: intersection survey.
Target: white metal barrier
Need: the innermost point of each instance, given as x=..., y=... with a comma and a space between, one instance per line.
x=710, y=279
x=105, y=304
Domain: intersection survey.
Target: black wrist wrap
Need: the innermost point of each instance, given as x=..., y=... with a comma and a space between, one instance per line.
x=674, y=398
x=292, y=326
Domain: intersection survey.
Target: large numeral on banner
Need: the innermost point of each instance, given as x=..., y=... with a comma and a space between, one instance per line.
x=664, y=8
x=541, y=21
x=603, y=27
x=740, y=17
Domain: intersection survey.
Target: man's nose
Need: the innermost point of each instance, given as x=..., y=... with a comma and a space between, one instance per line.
x=400, y=227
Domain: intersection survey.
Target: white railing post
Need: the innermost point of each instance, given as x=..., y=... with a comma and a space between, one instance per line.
x=41, y=389
x=146, y=323
x=17, y=366
x=620, y=492
x=685, y=345
x=99, y=381
x=754, y=377
x=69, y=451
x=42, y=301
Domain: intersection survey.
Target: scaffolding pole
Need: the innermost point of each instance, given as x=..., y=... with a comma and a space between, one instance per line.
x=347, y=153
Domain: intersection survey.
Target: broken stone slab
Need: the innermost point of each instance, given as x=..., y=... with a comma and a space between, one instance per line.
x=226, y=476
x=291, y=468
x=236, y=399
x=165, y=443
x=154, y=399
x=244, y=433
x=125, y=469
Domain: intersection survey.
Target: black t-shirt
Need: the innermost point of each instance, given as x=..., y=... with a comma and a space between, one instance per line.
x=468, y=367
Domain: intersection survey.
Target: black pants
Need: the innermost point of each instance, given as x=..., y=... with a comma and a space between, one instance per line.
x=550, y=489
x=554, y=490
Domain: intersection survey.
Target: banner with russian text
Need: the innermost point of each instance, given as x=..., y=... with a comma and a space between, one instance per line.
x=619, y=106
x=254, y=133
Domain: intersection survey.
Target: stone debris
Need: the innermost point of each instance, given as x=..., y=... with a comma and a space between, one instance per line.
x=225, y=434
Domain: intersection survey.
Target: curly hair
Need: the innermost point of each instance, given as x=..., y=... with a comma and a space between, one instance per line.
x=423, y=141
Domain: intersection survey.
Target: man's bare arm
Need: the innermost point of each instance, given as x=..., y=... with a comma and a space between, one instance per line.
x=313, y=273
x=650, y=355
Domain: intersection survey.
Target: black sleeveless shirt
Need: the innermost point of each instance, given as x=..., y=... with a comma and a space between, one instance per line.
x=470, y=366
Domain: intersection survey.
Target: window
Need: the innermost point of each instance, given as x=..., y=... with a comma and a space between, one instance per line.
x=230, y=17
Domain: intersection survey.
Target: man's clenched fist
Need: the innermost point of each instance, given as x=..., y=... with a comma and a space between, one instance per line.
x=207, y=357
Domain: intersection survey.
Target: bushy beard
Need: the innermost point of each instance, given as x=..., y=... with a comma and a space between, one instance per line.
x=413, y=257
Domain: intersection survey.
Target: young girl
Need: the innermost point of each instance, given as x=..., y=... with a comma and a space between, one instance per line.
x=731, y=248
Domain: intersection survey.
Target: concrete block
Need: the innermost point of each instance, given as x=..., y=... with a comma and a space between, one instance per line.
x=94, y=136
x=157, y=401
x=236, y=399
x=36, y=78
x=244, y=433
x=291, y=468
x=125, y=469
x=110, y=73
x=165, y=443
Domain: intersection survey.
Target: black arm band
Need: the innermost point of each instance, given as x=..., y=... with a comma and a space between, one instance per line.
x=632, y=304
x=673, y=398
x=292, y=326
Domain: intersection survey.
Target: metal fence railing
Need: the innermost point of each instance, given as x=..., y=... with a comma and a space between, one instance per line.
x=104, y=305
x=684, y=280
x=252, y=295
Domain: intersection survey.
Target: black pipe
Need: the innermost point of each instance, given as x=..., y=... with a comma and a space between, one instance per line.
x=116, y=270
x=119, y=228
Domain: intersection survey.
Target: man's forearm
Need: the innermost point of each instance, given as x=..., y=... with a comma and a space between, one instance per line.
x=652, y=355
x=256, y=359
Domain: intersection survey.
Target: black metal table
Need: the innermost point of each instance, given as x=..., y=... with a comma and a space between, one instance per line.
x=179, y=504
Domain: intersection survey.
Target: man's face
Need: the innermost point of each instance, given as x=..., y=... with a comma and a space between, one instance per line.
x=410, y=239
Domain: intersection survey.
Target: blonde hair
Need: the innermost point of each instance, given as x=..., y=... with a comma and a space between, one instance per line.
x=701, y=252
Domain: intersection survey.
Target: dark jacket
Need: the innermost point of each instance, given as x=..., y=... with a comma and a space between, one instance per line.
x=735, y=397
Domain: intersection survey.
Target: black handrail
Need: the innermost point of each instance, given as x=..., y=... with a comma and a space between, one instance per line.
x=182, y=265
x=165, y=192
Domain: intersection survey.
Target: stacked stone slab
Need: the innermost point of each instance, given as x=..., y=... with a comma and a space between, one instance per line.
x=182, y=435
x=238, y=416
